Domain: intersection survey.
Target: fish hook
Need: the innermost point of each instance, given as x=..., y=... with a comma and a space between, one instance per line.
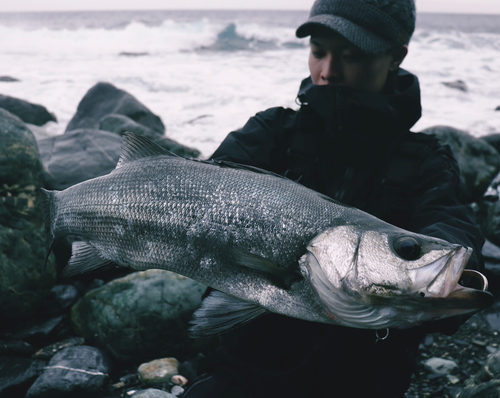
x=379, y=338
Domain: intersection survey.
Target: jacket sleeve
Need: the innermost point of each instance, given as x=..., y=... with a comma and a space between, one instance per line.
x=438, y=210
x=255, y=144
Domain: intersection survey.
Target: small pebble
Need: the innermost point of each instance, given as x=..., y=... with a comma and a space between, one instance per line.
x=179, y=380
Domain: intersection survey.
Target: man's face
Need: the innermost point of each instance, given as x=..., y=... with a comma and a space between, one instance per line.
x=334, y=60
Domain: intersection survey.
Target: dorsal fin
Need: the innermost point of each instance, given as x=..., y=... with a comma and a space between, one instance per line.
x=136, y=147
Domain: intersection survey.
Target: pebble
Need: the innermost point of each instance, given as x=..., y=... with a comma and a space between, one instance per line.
x=158, y=371
x=440, y=365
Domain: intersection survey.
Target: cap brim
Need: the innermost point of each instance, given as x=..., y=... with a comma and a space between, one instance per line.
x=362, y=38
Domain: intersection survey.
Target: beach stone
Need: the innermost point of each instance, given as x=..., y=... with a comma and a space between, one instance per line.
x=8, y=79
x=141, y=316
x=72, y=372
x=158, y=371
x=440, y=365
x=491, y=369
x=105, y=99
x=489, y=221
x=49, y=351
x=497, y=108
x=60, y=299
x=120, y=124
x=16, y=348
x=479, y=162
x=77, y=156
x=27, y=112
x=490, y=389
x=493, y=140
x=153, y=393
x=24, y=281
x=17, y=374
x=40, y=332
x=457, y=85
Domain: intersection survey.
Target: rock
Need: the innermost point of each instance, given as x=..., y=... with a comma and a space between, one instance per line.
x=140, y=317
x=152, y=393
x=119, y=124
x=104, y=99
x=457, y=84
x=159, y=371
x=493, y=140
x=440, y=365
x=8, y=79
x=497, y=108
x=60, y=299
x=486, y=383
x=48, y=352
x=77, y=156
x=489, y=221
x=41, y=332
x=133, y=54
x=491, y=369
x=16, y=348
x=27, y=112
x=490, y=389
x=179, y=380
x=177, y=391
x=73, y=372
x=24, y=281
x=478, y=161
x=39, y=132
x=17, y=374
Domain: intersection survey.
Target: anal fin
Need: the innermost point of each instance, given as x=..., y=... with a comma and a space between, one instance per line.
x=85, y=258
x=220, y=312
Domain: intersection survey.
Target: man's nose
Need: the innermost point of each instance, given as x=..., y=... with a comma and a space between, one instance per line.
x=330, y=70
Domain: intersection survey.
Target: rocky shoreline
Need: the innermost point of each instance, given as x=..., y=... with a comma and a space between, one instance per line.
x=124, y=334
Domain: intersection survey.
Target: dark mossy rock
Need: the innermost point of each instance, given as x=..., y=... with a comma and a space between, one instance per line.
x=24, y=280
x=77, y=156
x=21, y=170
x=120, y=124
x=104, y=99
x=140, y=317
x=27, y=112
x=17, y=374
x=479, y=162
x=73, y=372
x=493, y=140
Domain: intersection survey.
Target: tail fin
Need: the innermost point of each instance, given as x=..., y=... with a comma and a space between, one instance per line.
x=47, y=201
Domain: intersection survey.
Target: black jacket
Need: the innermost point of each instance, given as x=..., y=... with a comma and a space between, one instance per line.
x=355, y=148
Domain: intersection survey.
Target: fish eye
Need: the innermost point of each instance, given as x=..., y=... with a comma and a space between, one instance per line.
x=408, y=247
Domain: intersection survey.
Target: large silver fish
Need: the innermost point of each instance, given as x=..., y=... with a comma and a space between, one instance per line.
x=265, y=242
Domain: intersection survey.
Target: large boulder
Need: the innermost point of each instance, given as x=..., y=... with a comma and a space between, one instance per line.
x=27, y=112
x=140, y=317
x=104, y=99
x=24, y=281
x=120, y=124
x=479, y=162
x=77, y=156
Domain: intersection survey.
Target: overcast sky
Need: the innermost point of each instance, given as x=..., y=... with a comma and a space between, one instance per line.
x=461, y=6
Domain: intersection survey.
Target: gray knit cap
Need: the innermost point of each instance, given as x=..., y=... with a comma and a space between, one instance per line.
x=374, y=26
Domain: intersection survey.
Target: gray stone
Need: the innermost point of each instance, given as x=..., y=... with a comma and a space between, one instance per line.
x=457, y=85
x=140, y=317
x=24, y=281
x=491, y=369
x=8, y=79
x=72, y=372
x=490, y=389
x=104, y=99
x=479, y=162
x=27, y=112
x=77, y=156
x=152, y=393
x=440, y=365
x=18, y=372
x=120, y=124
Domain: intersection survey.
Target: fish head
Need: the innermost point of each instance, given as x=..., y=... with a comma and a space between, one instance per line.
x=387, y=277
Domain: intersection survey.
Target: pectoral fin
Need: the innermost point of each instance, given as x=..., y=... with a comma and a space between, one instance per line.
x=220, y=312
x=85, y=258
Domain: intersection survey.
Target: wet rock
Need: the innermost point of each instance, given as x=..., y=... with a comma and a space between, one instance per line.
x=41, y=332
x=120, y=124
x=140, y=317
x=17, y=374
x=13, y=348
x=486, y=383
x=27, y=112
x=479, y=162
x=177, y=391
x=105, y=99
x=24, y=281
x=8, y=79
x=159, y=371
x=48, y=352
x=60, y=299
x=490, y=389
x=493, y=140
x=77, y=156
x=152, y=393
x=440, y=365
x=73, y=372
x=457, y=85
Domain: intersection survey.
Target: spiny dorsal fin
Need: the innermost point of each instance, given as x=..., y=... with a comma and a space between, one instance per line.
x=220, y=312
x=136, y=147
x=85, y=258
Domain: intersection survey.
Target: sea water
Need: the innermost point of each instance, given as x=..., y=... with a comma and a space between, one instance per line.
x=206, y=72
